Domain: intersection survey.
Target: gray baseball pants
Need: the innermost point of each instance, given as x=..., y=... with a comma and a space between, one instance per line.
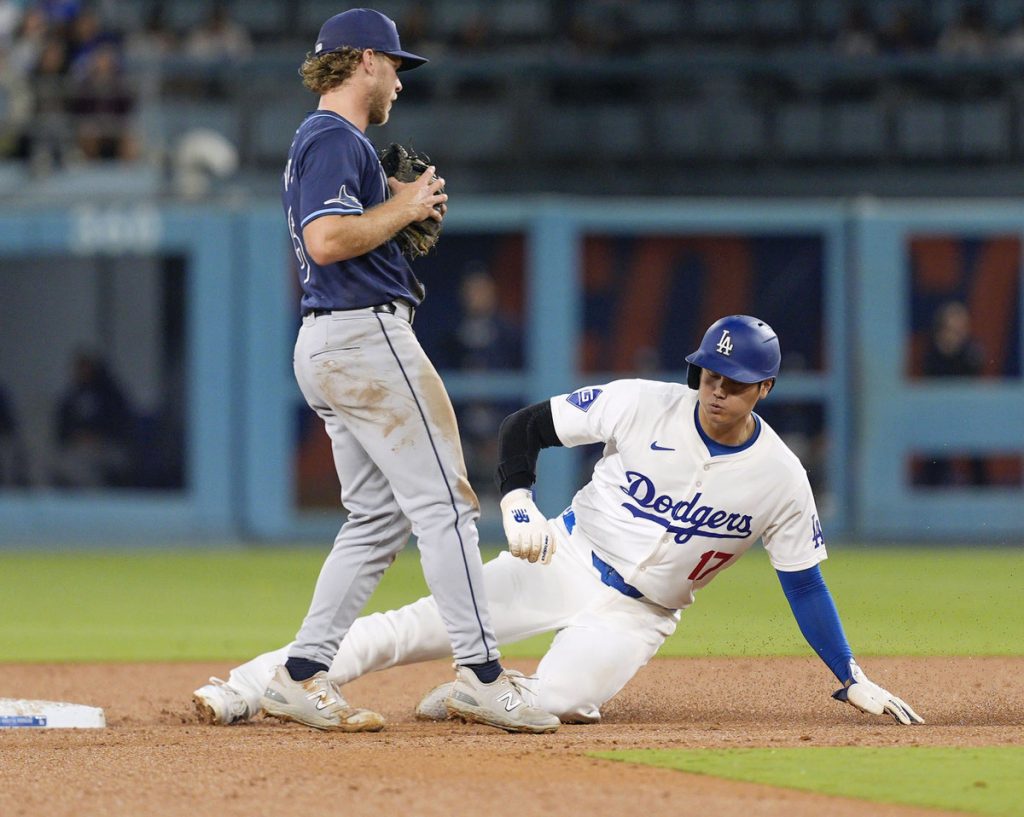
x=399, y=460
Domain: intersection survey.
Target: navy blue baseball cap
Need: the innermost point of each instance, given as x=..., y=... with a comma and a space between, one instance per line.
x=364, y=28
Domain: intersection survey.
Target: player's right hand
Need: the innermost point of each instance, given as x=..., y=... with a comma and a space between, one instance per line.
x=423, y=198
x=869, y=697
x=529, y=534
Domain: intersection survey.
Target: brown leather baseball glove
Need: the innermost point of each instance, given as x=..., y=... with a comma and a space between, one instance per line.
x=420, y=237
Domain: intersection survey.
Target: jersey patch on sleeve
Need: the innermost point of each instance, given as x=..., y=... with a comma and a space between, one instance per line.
x=583, y=399
x=346, y=199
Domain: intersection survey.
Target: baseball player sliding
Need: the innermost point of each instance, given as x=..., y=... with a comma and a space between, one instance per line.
x=689, y=480
x=362, y=370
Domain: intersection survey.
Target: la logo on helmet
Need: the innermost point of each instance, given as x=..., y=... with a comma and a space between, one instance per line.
x=724, y=346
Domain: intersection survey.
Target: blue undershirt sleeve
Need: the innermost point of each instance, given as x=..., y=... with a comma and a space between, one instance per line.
x=816, y=614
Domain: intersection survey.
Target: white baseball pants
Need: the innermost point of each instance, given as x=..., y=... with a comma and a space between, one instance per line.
x=603, y=637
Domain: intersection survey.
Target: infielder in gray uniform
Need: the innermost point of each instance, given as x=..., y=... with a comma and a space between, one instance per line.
x=361, y=368
x=689, y=480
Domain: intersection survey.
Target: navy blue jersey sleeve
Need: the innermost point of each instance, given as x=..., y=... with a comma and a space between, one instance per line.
x=332, y=176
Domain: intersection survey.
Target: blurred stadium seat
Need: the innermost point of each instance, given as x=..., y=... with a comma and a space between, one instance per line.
x=659, y=19
x=270, y=129
x=781, y=18
x=604, y=132
x=449, y=131
x=800, y=128
x=828, y=16
x=680, y=131
x=983, y=129
x=183, y=16
x=165, y=122
x=718, y=19
x=518, y=19
x=859, y=130
x=710, y=81
x=922, y=129
x=263, y=18
x=451, y=17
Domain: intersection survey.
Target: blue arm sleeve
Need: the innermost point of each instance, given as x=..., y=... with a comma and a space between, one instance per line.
x=816, y=614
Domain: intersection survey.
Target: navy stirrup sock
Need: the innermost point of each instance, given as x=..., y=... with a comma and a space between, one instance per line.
x=487, y=673
x=302, y=669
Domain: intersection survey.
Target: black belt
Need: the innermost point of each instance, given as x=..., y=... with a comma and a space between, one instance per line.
x=390, y=308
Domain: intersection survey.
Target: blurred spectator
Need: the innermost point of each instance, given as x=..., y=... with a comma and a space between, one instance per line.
x=59, y=12
x=218, y=37
x=1012, y=42
x=857, y=36
x=478, y=423
x=475, y=35
x=15, y=111
x=102, y=104
x=969, y=35
x=953, y=352
x=94, y=428
x=12, y=459
x=10, y=20
x=50, y=140
x=417, y=27
x=601, y=27
x=86, y=35
x=483, y=338
x=29, y=43
x=906, y=33
x=154, y=39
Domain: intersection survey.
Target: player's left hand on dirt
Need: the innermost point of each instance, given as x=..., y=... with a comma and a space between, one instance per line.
x=420, y=237
x=869, y=697
x=529, y=534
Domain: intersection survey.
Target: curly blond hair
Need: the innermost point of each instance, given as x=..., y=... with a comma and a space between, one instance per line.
x=324, y=72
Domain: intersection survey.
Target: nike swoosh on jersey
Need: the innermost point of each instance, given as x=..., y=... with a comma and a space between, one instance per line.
x=656, y=447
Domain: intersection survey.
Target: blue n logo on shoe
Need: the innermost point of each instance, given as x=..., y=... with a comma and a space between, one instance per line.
x=656, y=447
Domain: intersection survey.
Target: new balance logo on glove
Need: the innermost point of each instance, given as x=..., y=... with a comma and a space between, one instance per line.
x=520, y=515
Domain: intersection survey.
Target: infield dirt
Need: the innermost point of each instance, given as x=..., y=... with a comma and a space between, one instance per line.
x=154, y=758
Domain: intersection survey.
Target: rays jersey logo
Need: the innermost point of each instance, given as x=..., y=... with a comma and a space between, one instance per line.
x=685, y=518
x=345, y=199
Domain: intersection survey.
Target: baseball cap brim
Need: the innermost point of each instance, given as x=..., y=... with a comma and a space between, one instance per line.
x=409, y=60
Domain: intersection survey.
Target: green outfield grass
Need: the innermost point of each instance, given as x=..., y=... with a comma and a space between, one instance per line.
x=232, y=604
x=988, y=781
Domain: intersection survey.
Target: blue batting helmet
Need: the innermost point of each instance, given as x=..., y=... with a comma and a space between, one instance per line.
x=740, y=347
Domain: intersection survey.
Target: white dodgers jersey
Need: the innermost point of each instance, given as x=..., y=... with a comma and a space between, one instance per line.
x=667, y=513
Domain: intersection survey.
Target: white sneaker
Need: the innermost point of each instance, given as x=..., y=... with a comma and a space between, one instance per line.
x=432, y=707
x=220, y=704
x=499, y=703
x=315, y=702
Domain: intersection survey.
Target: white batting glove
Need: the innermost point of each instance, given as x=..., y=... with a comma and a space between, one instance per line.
x=869, y=697
x=529, y=535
